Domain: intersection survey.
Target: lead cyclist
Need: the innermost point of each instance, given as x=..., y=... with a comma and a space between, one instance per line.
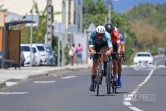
x=99, y=39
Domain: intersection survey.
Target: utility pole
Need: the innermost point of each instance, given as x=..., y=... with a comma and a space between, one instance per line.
x=80, y=16
x=76, y=13
x=64, y=34
x=69, y=13
x=31, y=36
x=49, y=22
x=86, y=16
x=109, y=11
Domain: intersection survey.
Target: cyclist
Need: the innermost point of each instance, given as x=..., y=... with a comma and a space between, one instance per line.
x=116, y=48
x=99, y=39
x=122, y=42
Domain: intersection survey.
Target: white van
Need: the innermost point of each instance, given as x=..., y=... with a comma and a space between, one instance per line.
x=42, y=52
x=25, y=48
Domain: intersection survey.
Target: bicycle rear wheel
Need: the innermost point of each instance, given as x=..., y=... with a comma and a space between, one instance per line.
x=108, y=81
x=108, y=86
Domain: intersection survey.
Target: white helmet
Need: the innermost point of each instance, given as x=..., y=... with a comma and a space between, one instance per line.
x=115, y=28
x=100, y=29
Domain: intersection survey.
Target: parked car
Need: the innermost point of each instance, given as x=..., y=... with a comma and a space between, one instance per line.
x=42, y=52
x=26, y=51
x=51, y=56
x=37, y=55
x=143, y=57
x=22, y=58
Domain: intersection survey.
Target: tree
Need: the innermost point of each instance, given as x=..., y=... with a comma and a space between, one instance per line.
x=94, y=11
x=40, y=31
x=148, y=24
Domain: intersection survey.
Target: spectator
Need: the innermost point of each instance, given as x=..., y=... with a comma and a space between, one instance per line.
x=79, y=53
x=72, y=54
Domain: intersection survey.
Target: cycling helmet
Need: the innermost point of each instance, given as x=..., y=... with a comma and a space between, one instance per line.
x=115, y=28
x=109, y=27
x=100, y=31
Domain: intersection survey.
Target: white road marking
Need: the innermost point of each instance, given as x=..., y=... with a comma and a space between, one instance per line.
x=44, y=81
x=68, y=77
x=12, y=93
x=127, y=103
x=129, y=97
x=11, y=83
x=135, y=109
x=161, y=66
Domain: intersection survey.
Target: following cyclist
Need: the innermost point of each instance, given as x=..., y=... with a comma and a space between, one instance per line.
x=115, y=38
x=99, y=39
x=122, y=42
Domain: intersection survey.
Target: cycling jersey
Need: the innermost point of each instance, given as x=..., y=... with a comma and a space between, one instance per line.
x=115, y=37
x=106, y=38
x=122, y=41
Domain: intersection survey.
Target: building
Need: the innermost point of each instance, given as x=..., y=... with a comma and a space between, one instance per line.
x=18, y=8
x=10, y=16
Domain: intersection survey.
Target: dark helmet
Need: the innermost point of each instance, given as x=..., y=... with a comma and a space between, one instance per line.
x=109, y=27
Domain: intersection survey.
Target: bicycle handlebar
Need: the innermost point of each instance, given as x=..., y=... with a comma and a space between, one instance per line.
x=101, y=53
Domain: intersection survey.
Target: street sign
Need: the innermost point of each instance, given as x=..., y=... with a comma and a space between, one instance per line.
x=34, y=17
x=72, y=28
x=59, y=28
x=91, y=27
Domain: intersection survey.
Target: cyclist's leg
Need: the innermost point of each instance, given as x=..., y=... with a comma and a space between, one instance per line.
x=93, y=74
x=105, y=57
x=119, y=73
x=115, y=64
x=94, y=67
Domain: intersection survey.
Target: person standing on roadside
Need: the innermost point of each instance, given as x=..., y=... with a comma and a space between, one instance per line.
x=79, y=50
x=72, y=55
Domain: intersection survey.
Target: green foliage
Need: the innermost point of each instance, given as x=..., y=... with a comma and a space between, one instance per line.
x=148, y=23
x=67, y=56
x=38, y=32
x=131, y=49
x=151, y=14
x=94, y=11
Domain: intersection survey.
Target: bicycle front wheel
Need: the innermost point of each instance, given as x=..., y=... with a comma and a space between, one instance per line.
x=97, y=83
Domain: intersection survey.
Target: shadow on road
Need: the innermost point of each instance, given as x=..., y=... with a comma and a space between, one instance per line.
x=121, y=93
x=103, y=95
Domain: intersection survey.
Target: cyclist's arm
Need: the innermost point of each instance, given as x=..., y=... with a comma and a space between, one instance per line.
x=118, y=42
x=91, y=42
x=123, y=48
x=119, y=48
x=109, y=42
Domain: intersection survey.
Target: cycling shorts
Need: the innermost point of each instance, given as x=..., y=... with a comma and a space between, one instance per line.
x=115, y=49
x=97, y=48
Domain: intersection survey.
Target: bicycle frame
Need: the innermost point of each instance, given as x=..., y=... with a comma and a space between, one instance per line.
x=99, y=75
x=110, y=75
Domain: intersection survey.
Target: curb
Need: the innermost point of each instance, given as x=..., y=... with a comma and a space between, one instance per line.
x=46, y=73
x=2, y=85
x=79, y=68
x=38, y=75
x=55, y=72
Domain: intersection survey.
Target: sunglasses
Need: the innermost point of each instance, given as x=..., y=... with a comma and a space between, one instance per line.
x=98, y=34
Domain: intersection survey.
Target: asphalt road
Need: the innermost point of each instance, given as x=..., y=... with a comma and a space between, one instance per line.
x=71, y=93
x=161, y=61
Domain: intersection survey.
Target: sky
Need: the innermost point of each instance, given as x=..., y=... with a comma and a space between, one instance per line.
x=121, y=6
